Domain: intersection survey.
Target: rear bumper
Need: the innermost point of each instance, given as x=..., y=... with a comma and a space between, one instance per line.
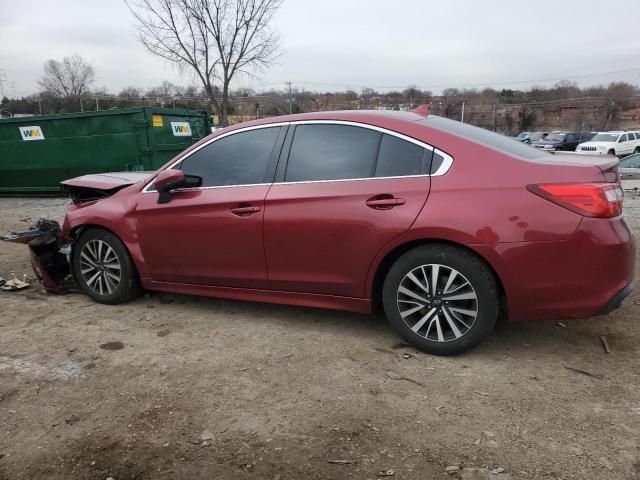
x=616, y=300
x=586, y=275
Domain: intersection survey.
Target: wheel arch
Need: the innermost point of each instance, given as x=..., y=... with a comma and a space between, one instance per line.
x=390, y=257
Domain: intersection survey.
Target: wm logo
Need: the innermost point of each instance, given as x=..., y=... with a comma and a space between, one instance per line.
x=31, y=133
x=181, y=129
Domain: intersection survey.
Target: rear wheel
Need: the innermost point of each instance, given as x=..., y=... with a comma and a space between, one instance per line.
x=441, y=299
x=612, y=152
x=636, y=150
x=103, y=268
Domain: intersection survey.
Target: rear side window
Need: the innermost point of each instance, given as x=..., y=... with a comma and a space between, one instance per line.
x=398, y=158
x=332, y=152
x=239, y=159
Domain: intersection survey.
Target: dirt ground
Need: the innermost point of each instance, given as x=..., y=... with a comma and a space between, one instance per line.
x=173, y=387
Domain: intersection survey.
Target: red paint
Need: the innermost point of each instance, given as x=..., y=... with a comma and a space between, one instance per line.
x=320, y=244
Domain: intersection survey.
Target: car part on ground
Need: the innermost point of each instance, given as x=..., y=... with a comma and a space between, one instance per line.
x=14, y=283
x=324, y=210
x=48, y=255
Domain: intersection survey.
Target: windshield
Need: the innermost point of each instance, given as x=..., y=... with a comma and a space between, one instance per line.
x=485, y=137
x=606, y=137
x=523, y=135
x=555, y=137
x=632, y=161
x=536, y=136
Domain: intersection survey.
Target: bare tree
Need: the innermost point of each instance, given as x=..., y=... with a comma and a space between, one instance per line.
x=214, y=39
x=70, y=77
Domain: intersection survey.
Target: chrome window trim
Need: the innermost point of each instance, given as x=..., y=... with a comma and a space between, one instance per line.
x=444, y=167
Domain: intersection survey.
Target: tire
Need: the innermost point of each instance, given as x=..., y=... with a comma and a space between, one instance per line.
x=444, y=331
x=612, y=152
x=103, y=268
x=636, y=150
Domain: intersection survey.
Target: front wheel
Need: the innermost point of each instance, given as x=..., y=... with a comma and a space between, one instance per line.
x=441, y=299
x=103, y=268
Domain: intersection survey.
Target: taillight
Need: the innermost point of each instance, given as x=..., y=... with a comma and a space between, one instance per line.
x=602, y=200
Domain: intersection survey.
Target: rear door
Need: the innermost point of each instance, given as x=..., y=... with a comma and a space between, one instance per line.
x=342, y=192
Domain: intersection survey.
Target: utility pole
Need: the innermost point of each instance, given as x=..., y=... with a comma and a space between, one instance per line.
x=495, y=108
x=462, y=116
x=290, y=104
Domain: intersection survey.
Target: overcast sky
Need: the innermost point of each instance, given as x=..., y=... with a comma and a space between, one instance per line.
x=333, y=44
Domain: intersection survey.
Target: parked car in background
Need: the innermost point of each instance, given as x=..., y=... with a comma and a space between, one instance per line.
x=629, y=167
x=356, y=210
x=528, y=137
x=562, y=141
x=612, y=143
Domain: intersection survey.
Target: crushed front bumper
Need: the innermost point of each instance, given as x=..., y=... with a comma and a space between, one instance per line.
x=49, y=255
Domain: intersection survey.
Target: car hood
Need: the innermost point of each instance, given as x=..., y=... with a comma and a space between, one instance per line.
x=101, y=185
x=107, y=181
x=596, y=144
x=546, y=142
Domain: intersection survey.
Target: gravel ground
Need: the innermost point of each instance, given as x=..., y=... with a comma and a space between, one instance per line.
x=171, y=386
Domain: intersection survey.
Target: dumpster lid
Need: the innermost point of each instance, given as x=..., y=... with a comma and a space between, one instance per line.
x=107, y=181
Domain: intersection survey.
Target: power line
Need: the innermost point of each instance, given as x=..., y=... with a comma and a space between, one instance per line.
x=468, y=85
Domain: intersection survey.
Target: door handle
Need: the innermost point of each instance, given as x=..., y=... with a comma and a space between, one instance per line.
x=384, y=203
x=245, y=211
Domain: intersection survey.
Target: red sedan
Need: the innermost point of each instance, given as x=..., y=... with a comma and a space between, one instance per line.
x=444, y=225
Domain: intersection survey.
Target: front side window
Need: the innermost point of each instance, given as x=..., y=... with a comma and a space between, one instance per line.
x=238, y=159
x=400, y=158
x=332, y=152
x=623, y=138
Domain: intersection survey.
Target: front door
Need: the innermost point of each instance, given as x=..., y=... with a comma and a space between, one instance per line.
x=212, y=235
x=347, y=192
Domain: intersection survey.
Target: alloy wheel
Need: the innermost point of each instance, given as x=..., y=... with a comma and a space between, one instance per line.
x=437, y=302
x=100, y=267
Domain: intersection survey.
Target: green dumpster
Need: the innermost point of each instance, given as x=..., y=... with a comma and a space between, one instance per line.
x=37, y=153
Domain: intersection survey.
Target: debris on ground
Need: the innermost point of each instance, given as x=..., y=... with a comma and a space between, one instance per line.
x=498, y=470
x=395, y=376
x=341, y=462
x=15, y=283
x=584, y=372
x=386, y=473
x=605, y=344
x=560, y=324
x=407, y=356
x=451, y=469
x=484, y=394
x=206, y=435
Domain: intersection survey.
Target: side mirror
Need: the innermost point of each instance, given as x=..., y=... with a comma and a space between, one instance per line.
x=170, y=179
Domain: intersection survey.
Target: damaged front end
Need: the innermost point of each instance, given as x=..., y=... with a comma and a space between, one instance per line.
x=49, y=255
x=49, y=246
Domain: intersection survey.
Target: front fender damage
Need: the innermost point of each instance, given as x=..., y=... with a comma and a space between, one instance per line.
x=50, y=255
